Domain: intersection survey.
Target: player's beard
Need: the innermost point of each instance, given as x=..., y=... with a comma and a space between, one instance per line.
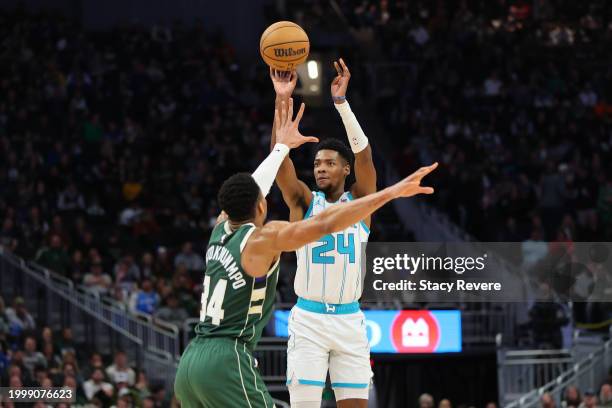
x=326, y=186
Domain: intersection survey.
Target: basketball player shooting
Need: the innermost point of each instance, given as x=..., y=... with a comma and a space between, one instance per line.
x=326, y=326
x=217, y=368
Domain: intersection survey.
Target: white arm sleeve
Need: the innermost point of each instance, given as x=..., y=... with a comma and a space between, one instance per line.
x=266, y=172
x=357, y=139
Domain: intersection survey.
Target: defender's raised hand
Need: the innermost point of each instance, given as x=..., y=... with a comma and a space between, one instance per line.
x=411, y=185
x=341, y=81
x=287, y=131
x=284, y=82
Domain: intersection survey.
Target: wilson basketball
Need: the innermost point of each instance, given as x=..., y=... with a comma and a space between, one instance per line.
x=284, y=45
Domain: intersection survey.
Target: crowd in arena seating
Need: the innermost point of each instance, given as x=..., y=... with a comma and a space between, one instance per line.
x=572, y=397
x=513, y=97
x=113, y=145
x=112, y=148
x=35, y=356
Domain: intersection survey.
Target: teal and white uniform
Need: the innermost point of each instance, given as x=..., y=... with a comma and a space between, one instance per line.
x=326, y=327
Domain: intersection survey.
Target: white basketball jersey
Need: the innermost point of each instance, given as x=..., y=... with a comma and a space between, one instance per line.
x=329, y=270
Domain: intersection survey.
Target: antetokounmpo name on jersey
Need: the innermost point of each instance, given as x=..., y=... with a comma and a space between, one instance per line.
x=224, y=257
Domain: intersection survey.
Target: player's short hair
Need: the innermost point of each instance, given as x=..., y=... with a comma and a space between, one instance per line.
x=238, y=197
x=339, y=146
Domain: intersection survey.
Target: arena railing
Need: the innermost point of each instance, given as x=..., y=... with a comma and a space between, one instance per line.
x=550, y=371
x=56, y=302
x=157, y=336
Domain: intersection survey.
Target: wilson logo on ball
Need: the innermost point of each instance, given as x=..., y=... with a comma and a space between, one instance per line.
x=288, y=52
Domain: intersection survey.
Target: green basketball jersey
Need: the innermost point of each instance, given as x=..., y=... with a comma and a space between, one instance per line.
x=234, y=304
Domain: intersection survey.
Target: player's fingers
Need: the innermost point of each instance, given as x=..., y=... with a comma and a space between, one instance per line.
x=298, y=117
x=311, y=139
x=338, y=70
x=426, y=190
x=290, y=110
x=336, y=80
x=294, y=76
x=283, y=113
x=429, y=169
x=345, y=69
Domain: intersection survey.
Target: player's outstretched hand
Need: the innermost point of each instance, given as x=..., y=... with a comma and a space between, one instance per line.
x=341, y=81
x=411, y=185
x=284, y=82
x=287, y=131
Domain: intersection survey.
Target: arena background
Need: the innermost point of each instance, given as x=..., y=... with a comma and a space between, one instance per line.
x=120, y=119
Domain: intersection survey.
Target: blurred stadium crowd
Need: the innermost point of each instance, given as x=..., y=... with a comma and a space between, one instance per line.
x=113, y=145
x=34, y=356
x=514, y=98
x=572, y=398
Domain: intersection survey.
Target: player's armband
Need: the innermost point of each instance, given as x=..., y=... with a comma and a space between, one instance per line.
x=357, y=139
x=266, y=172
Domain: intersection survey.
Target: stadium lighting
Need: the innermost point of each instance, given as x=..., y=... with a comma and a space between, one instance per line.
x=313, y=69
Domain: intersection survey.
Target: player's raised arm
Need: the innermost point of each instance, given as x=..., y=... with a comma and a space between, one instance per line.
x=285, y=236
x=365, y=173
x=296, y=193
x=288, y=137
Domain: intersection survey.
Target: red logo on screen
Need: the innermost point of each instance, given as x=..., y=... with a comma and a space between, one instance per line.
x=415, y=331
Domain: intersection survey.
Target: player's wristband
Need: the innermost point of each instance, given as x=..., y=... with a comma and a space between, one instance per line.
x=339, y=98
x=357, y=139
x=266, y=172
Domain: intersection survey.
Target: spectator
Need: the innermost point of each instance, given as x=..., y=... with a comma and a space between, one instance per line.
x=95, y=361
x=547, y=401
x=572, y=397
x=77, y=267
x=66, y=343
x=96, y=280
x=131, y=269
x=426, y=401
x=147, y=266
x=163, y=266
x=172, y=312
x=97, y=387
x=444, y=403
x=148, y=402
x=70, y=370
x=191, y=260
x=589, y=400
x=144, y=300
x=70, y=199
x=71, y=382
x=9, y=235
x=605, y=396
x=55, y=257
x=142, y=386
x=120, y=372
x=31, y=357
x=19, y=318
x=46, y=335
x=53, y=360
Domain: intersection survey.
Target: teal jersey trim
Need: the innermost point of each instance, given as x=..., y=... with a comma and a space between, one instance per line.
x=349, y=385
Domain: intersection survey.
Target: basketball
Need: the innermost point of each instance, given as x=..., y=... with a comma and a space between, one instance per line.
x=284, y=45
